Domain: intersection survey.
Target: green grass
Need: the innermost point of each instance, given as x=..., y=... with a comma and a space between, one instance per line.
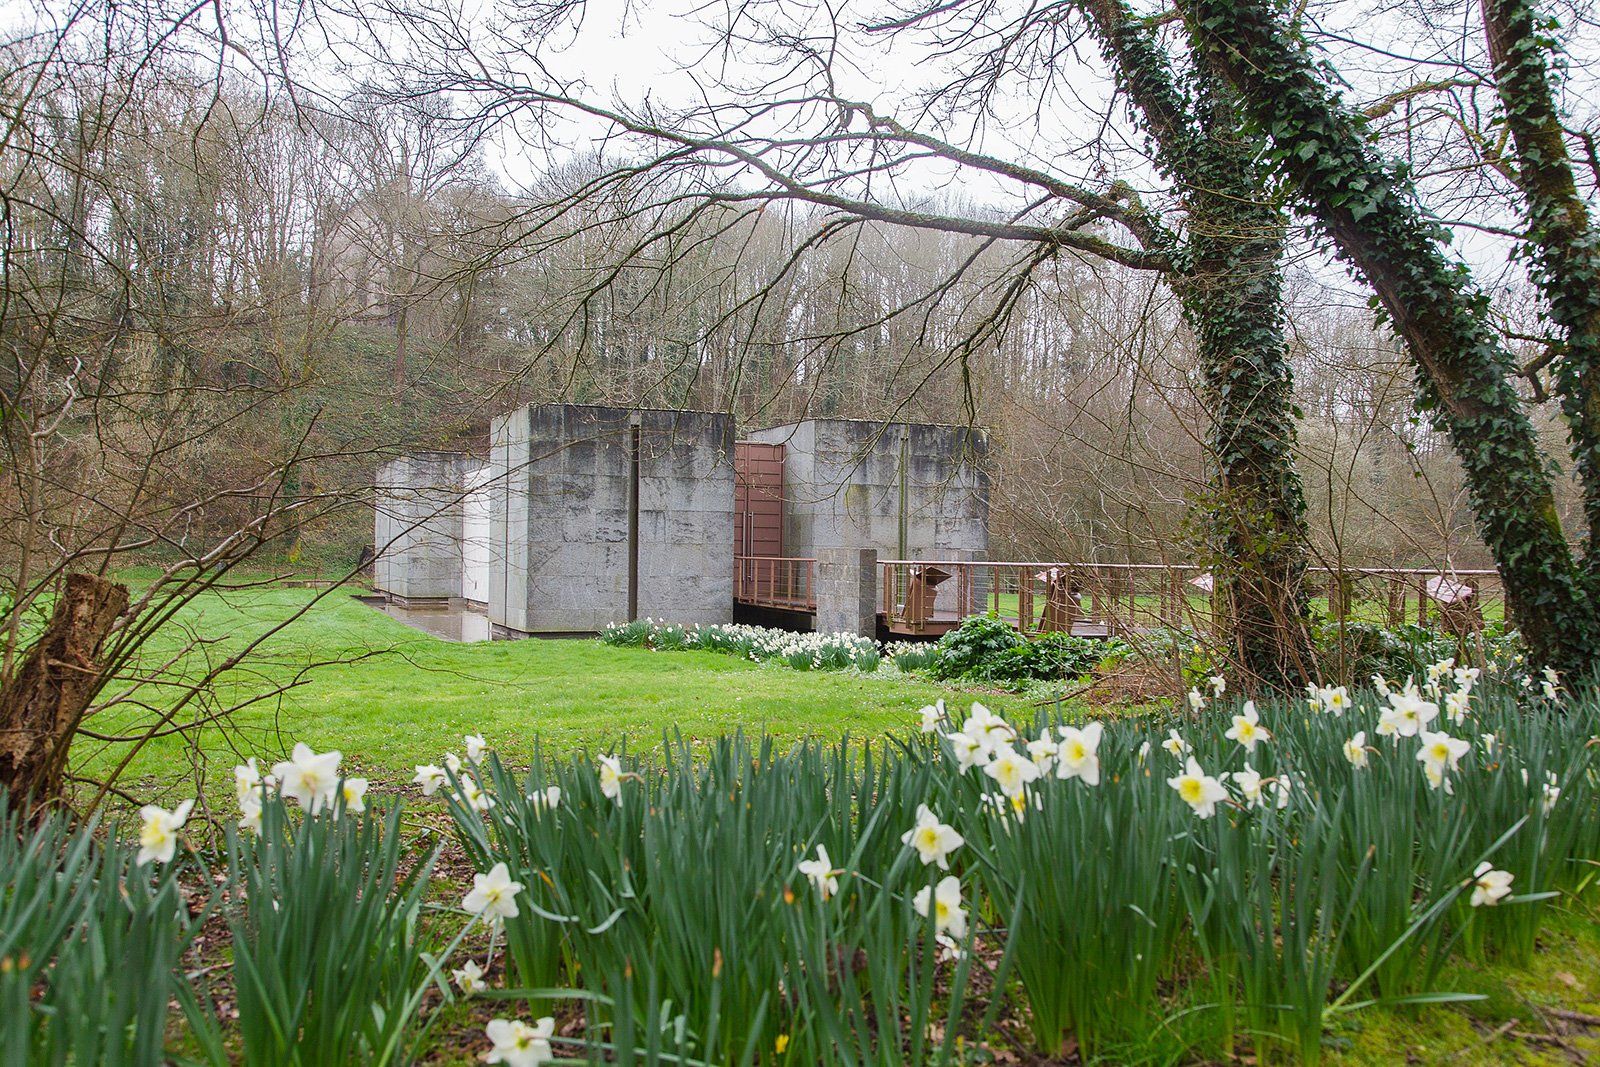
x=415, y=696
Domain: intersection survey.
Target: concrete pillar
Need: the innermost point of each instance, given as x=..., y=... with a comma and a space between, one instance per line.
x=847, y=591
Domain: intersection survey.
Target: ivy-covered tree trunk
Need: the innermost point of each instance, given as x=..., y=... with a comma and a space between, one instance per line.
x=1560, y=236
x=1369, y=209
x=1232, y=294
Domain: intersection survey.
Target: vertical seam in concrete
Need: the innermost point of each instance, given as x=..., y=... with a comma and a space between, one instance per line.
x=633, y=523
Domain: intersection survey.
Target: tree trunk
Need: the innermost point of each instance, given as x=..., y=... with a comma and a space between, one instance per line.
x=41, y=707
x=1370, y=211
x=1565, y=246
x=1232, y=294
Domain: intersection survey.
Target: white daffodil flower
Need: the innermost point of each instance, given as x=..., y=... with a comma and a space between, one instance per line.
x=1247, y=728
x=1552, y=792
x=969, y=751
x=469, y=977
x=1437, y=777
x=1466, y=678
x=355, y=795
x=550, y=798
x=1042, y=750
x=158, y=833
x=1441, y=751
x=933, y=840
x=1489, y=885
x=250, y=813
x=246, y=779
x=1078, y=754
x=1196, y=701
x=949, y=949
x=823, y=874
x=475, y=747
x=1198, y=789
x=1491, y=744
x=1380, y=685
x=932, y=715
x=1250, y=788
x=452, y=762
x=1355, y=749
x=1412, y=713
x=1176, y=745
x=493, y=895
x=1144, y=753
x=610, y=771
x=517, y=1044
x=1011, y=771
x=948, y=915
x=430, y=778
x=310, y=778
x=475, y=797
x=1219, y=685
x=1335, y=699
x=987, y=727
x=1455, y=706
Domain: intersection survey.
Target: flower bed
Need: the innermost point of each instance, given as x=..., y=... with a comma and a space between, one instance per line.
x=1239, y=875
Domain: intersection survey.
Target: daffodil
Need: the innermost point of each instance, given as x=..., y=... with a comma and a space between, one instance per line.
x=1042, y=750
x=475, y=747
x=1551, y=793
x=158, y=831
x=948, y=915
x=1219, y=685
x=355, y=794
x=1335, y=699
x=246, y=779
x=932, y=715
x=1491, y=743
x=469, y=977
x=1441, y=751
x=549, y=798
x=949, y=948
x=517, y=1044
x=452, y=763
x=987, y=727
x=250, y=813
x=1249, y=782
x=1411, y=712
x=933, y=840
x=1247, y=728
x=310, y=778
x=610, y=771
x=1010, y=770
x=494, y=895
x=1489, y=885
x=822, y=872
x=1078, y=754
x=1355, y=749
x=430, y=778
x=1437, y=777
x=1176, y=745
x=1198, y=789
x=970, y=751
x=1455, y=706
x=1196, y=701
x=475, y=796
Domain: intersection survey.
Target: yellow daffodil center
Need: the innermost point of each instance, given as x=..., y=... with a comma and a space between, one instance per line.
x=1075, y=751
x=1189, y=790
x=928, y=839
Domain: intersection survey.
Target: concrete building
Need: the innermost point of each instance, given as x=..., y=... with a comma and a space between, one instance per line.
x=418, y=526
x=584, y=516
x=605, y=514
x=908, y=491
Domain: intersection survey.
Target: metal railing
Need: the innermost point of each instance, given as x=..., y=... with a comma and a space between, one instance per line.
x=1102, y=599
x=786, y=582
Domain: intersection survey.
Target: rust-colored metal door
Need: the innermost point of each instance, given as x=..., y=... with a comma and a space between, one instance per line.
x=757, y=501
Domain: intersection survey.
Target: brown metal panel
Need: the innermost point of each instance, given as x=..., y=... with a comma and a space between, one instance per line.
x=757, y=499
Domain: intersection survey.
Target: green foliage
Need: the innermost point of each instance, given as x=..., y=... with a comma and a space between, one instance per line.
x=89, y=946
x=985, y=649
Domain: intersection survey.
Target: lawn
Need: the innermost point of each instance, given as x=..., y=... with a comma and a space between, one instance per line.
x=412, y=696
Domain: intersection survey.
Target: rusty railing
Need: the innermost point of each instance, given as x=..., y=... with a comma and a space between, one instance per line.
x=786, y=582
x=1102, y=599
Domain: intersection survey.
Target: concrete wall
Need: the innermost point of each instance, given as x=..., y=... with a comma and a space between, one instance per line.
x=417, y=525
x=845, y=481
x=847, y=587
x=563, y=477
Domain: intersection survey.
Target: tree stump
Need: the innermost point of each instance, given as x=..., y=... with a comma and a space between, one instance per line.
x=43, y=702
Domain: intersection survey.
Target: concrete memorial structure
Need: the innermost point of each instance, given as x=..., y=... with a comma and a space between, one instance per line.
x=585, y=515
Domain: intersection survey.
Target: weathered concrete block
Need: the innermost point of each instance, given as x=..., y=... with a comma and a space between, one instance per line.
x=847, y=591
x=418, y=530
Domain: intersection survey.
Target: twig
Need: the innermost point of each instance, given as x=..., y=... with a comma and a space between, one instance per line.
x=1500, y=1031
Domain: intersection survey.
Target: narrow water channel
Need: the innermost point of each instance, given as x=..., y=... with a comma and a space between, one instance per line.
x=445, y=623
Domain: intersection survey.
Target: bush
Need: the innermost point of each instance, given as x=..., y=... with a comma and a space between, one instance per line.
x=986, y=649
